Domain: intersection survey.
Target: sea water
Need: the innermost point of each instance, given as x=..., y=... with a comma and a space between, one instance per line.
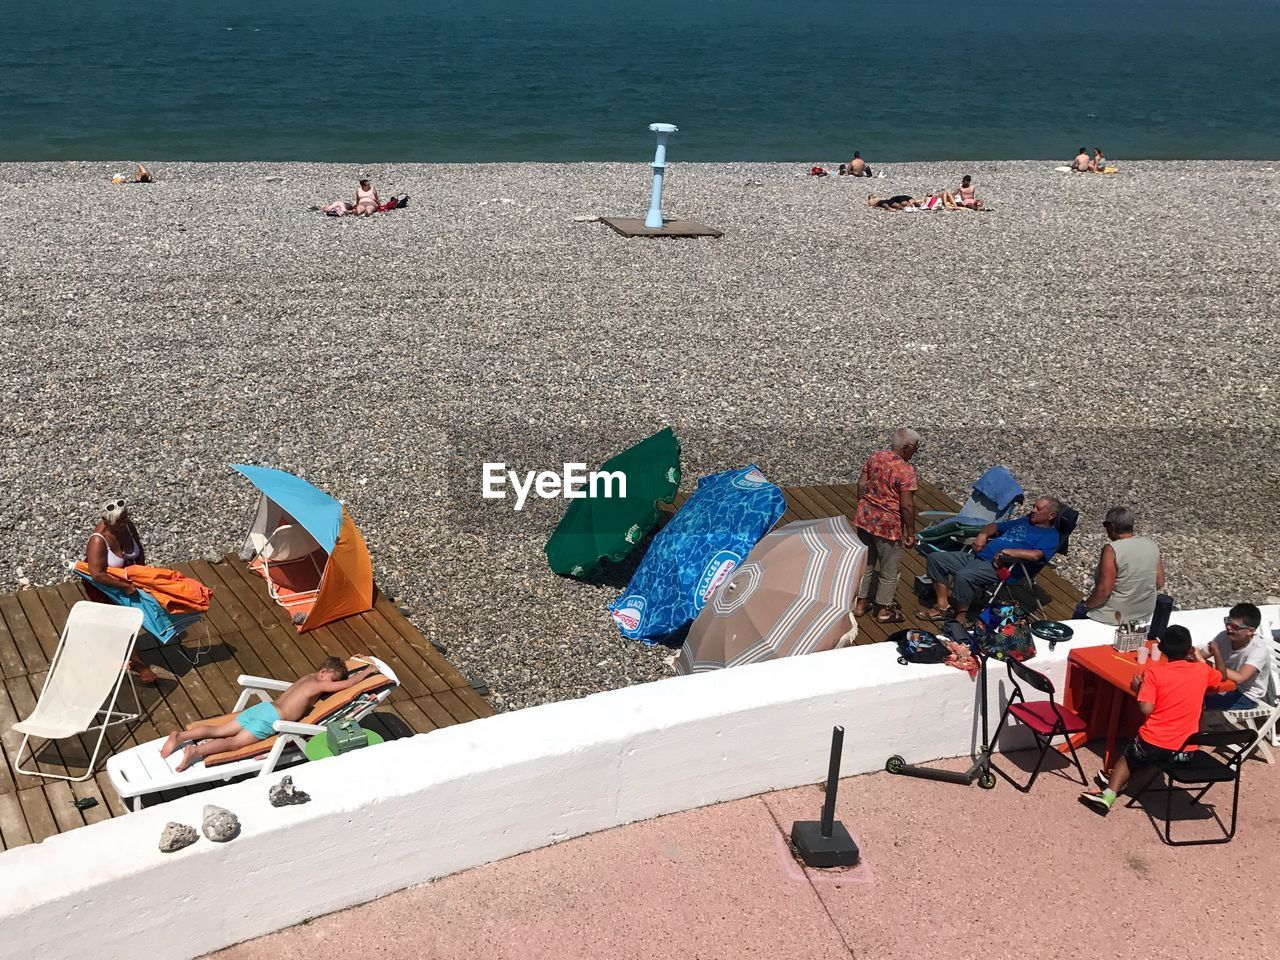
x=508, y=80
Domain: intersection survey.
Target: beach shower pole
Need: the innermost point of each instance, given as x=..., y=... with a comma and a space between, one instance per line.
x=654, y=220
x=826, y=842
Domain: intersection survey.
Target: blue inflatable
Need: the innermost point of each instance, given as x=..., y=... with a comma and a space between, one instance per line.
x=696, y=552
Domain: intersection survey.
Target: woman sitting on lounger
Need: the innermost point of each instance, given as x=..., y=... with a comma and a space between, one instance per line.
x=258, y=722
x=115, y=543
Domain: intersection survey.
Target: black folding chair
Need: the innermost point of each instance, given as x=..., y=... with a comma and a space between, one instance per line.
x=1045, y=719
x=1202, y=770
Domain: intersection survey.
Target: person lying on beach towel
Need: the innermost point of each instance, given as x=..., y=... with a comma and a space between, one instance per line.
x=142, y=176
x=258, y=722
x=899, y=202
x=939, y=200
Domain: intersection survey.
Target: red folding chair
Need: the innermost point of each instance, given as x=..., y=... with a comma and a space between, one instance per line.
x=1045, y=719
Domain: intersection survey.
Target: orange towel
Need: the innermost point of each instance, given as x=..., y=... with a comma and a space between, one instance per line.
x=175, y=592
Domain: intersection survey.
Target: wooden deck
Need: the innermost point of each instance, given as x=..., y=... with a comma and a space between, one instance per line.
x=811, y=503
x=244, y=632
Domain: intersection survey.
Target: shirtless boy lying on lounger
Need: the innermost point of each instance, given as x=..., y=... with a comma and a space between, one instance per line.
x=258, y=722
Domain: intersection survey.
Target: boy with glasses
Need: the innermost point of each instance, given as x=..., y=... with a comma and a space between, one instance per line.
x=1242, y=653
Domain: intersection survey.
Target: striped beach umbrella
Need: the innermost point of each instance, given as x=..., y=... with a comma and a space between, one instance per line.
x=793, y=595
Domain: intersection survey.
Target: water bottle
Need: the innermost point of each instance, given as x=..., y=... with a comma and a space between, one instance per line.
x=1155, y=653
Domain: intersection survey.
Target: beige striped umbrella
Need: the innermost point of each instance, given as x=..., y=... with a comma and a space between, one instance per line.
x=793, y=595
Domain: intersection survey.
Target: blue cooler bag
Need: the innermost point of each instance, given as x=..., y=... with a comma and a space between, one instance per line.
x=696, y=552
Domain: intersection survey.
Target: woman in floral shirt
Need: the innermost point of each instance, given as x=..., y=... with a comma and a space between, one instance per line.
x=886, y=519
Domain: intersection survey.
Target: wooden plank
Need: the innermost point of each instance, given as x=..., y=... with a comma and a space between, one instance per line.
x=35, y=810
x=62, y=803
x=10, y=741
x=436, y=711
x=32, y=653
x=453, y=703
x=11, y=662
x=107, y=792
x=478, y=704
x=90, y=789
x=415, y=716
x=416, y=676
x=45, y=632
x=13, y=824
x=219, y=620
x=413, y=636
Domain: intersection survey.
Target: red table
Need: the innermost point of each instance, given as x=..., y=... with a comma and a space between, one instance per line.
x=1097, y=688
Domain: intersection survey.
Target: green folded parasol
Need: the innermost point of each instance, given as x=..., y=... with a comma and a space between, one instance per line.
x=597, y=527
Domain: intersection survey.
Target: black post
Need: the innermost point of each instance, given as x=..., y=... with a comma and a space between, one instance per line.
x=833, y=780
x=826, y=843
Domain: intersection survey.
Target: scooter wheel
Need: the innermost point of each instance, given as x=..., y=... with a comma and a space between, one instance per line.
x=895, y=764
x=987, y=781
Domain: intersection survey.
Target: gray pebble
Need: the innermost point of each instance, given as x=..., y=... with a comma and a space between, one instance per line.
x=220, y=825
x=175, y=836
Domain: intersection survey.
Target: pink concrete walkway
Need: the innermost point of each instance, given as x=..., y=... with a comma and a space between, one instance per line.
x=948, y=871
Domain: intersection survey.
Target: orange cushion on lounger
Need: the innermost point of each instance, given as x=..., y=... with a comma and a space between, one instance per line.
x=324, y=709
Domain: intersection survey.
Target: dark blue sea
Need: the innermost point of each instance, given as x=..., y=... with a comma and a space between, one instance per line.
x=566, y=80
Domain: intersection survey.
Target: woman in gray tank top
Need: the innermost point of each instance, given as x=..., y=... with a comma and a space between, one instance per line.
x=1130, y=574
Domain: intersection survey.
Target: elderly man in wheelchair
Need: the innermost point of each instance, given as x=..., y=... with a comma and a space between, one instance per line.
x=1027, y=541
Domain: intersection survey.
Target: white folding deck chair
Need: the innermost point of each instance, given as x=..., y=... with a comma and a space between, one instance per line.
x=80, y=691
x=1264, y=716
x=140, y=771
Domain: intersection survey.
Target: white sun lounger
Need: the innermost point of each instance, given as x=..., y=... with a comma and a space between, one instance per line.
x=141, y=770
x=80, y=691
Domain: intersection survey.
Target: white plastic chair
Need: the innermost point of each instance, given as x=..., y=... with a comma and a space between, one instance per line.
x=1264, y=716
x=80, y=692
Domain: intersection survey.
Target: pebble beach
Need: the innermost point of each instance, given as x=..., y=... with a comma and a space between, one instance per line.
x=1108, y=339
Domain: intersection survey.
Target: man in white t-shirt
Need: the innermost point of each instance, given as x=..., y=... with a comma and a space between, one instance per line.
x=1243, y=653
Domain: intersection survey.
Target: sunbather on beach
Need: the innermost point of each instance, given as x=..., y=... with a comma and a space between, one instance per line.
x=367, y=202
x=258, y=722
x=899, y=202
x=966, y=197
x=115, y=543
x=1099, y=162
x=938, y=200
x=1083, y=163
x=857, y=167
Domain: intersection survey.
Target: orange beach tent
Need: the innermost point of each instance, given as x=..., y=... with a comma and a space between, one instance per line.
x=306, y=546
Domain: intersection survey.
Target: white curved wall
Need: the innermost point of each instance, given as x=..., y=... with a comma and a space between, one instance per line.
x=413, y=810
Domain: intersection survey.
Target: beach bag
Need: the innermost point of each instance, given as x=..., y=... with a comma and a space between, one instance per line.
x=1006, y=633
x=817, y=172
x=919, y=646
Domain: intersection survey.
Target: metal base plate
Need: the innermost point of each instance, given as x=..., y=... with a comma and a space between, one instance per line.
x=837, y=850
x=634, y=227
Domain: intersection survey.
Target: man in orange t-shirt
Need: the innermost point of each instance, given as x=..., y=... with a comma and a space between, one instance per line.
x=1171, y=697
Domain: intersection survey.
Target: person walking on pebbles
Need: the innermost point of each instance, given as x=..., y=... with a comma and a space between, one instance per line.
x=886, y=520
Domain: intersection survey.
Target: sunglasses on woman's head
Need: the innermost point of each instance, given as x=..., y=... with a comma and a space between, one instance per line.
x=113, y=505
